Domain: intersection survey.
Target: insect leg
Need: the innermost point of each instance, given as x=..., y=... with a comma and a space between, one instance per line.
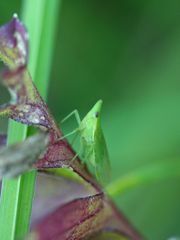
x=77, y=117
x=73, y=158
x=69, y=134
x=74, y=138
x=76, y=114
x=76, y=154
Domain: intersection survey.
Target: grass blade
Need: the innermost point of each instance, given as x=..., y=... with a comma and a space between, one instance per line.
x=145, y=175
x=17, y=194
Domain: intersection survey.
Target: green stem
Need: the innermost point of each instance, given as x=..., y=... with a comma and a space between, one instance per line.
x=17, y=194
x=145, y=175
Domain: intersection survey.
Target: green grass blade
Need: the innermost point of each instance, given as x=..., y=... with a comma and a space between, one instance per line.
x=11, y=191
x=17, y=194
x=46, y=47
x=32, y=17
x=144, y=175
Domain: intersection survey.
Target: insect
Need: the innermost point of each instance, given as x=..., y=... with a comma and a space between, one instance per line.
x=93, y=147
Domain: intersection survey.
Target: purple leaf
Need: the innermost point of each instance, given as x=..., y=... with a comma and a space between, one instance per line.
x=58, y=154
x=14, y=43
x=26, y=105
x=78, y=218
x=64, y=219
x=55, y=191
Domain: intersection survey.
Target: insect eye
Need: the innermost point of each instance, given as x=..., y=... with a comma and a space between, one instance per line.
x=97, y=114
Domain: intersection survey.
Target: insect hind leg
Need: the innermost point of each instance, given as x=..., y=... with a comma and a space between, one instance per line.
x=77, y=117
x=76, y=114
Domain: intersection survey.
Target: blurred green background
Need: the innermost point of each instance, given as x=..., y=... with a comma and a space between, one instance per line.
x=128, y=54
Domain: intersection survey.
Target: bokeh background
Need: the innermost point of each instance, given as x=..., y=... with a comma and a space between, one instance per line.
x=128, y=54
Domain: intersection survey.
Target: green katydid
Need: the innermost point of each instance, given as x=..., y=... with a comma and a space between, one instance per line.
x=92, y=142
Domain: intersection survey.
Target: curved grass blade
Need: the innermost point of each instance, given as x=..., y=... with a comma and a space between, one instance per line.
x=145, y=175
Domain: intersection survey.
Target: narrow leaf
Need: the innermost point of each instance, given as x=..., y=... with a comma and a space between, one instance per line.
x=26, y=105
x=145, y=175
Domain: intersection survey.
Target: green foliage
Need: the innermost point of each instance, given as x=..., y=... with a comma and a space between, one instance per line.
x=149, y=174
x=126, y=53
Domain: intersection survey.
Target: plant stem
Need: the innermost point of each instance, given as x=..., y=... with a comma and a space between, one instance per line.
x=145, y=175
x=17, y=194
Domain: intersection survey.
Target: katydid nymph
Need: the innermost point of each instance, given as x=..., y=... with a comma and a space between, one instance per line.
x=92, y=142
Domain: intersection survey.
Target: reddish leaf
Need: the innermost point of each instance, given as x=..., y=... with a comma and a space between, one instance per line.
x=54, y=191
x=58, y=154
x=80, y=218
x=120, y=223
x=73, y=220
x=26, y=105
x=59, y=193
